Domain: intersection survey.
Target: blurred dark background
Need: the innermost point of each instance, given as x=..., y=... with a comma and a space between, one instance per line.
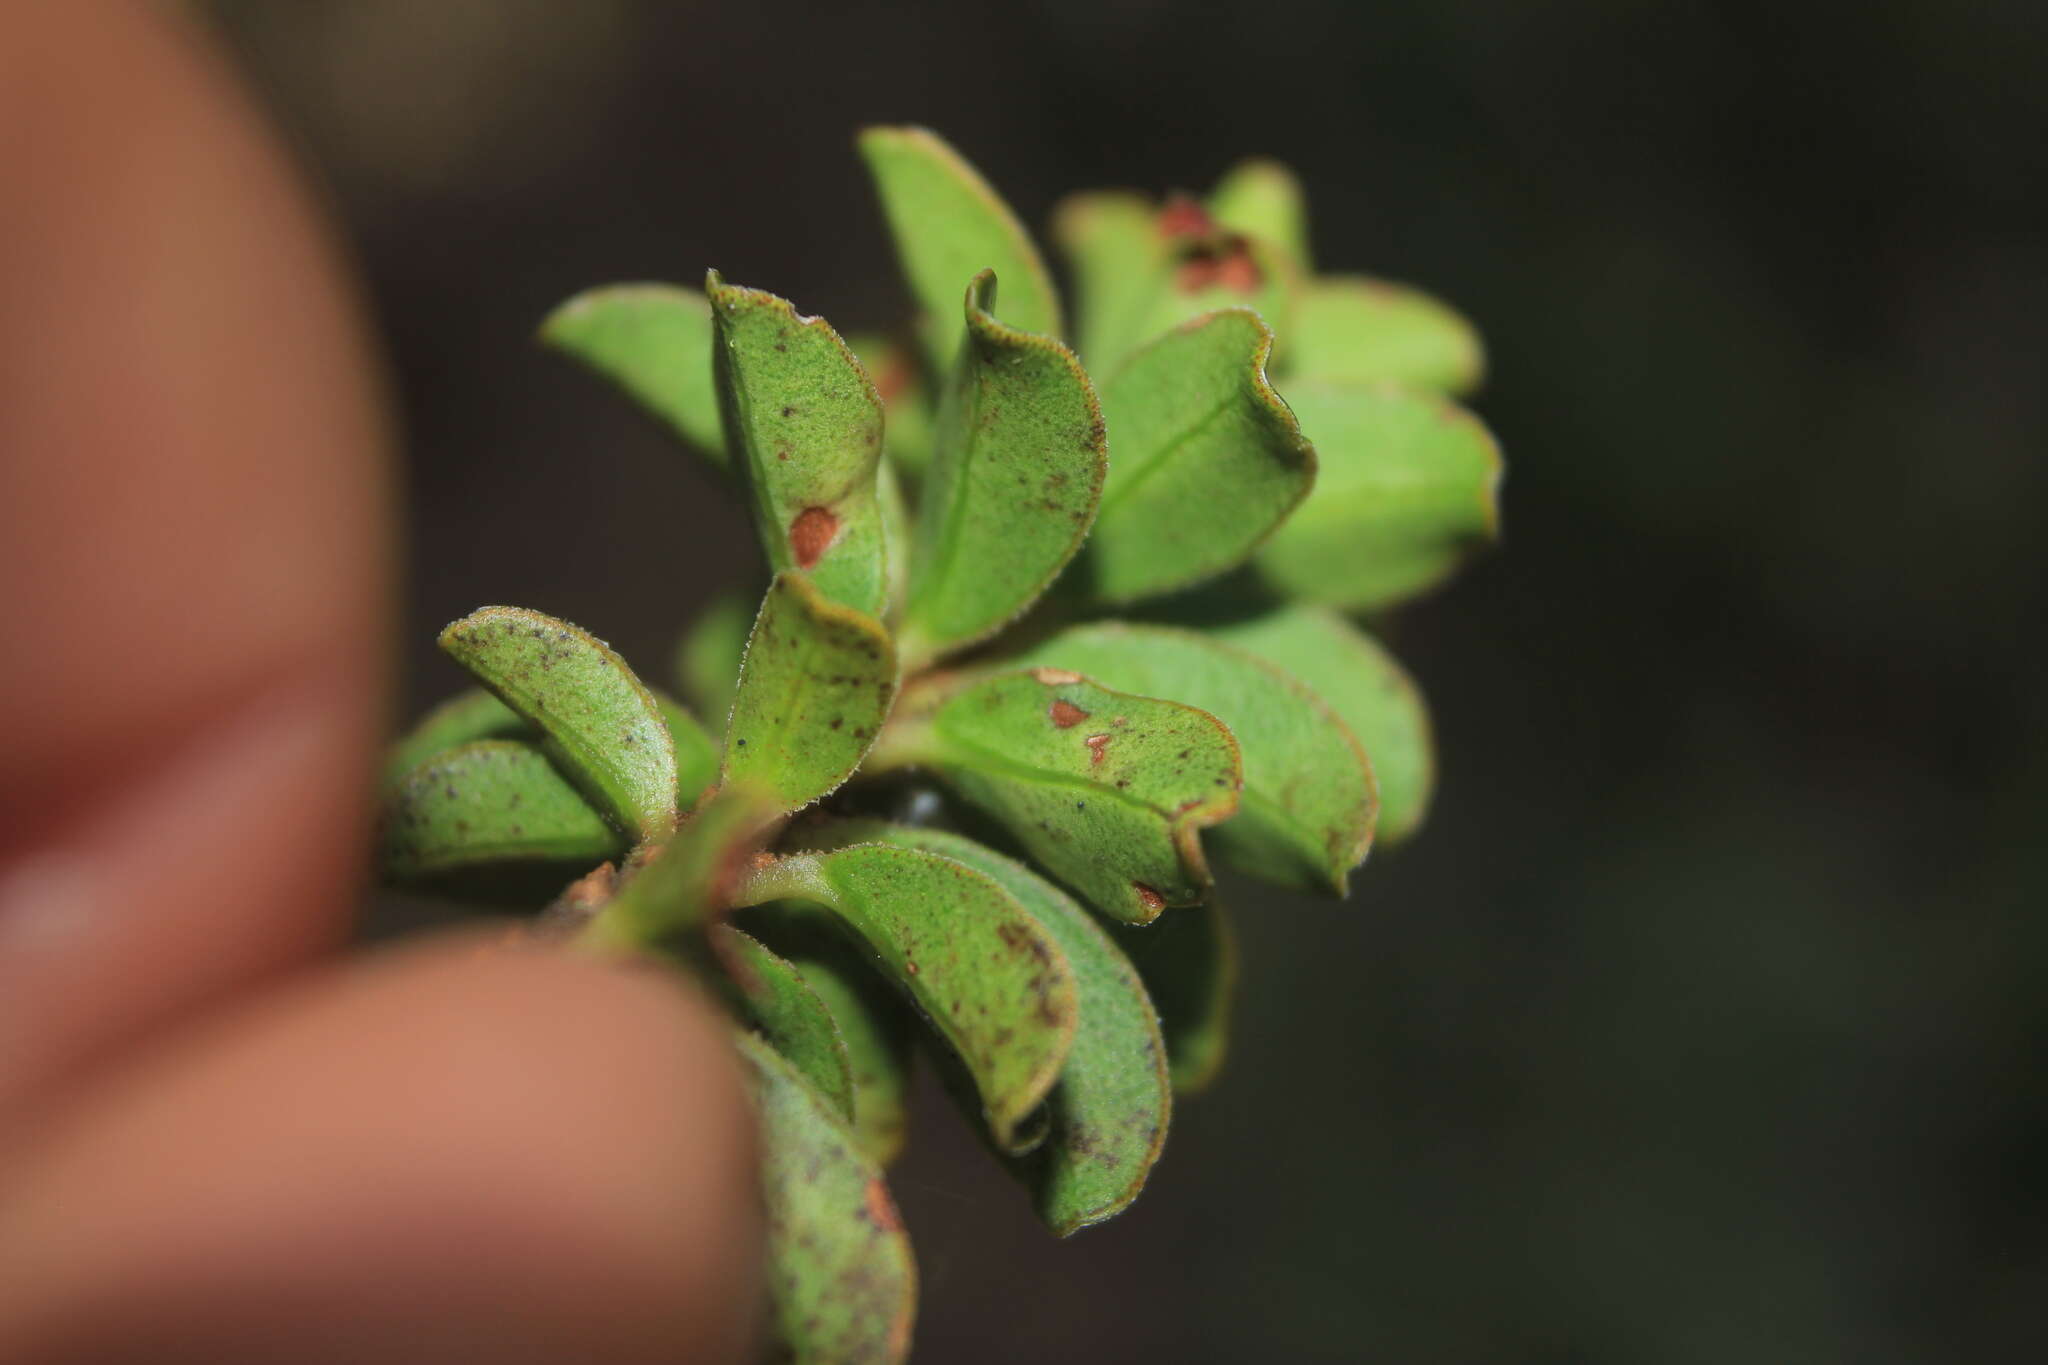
x=1705, y=1021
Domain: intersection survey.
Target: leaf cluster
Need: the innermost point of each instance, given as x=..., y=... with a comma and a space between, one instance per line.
x=1053, y=616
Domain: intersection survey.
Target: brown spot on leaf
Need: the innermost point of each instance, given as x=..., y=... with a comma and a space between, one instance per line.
x=880, y=1209
x=1055, y=677
x=810, y=535
x=1065, y=714
x=1154, y=902
x=1098, y=746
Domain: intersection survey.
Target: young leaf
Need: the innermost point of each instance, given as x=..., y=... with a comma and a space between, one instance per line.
x=1308, y=806
x=872, y=1019
x=1110, y=1109
x=1366, y=688
x=949, y=226
x=993, y=984
x=601, y=724
x=804, y=423
x=654, y=342
x=1189, y=966
x=688, y=879
x=1109, y=791
x=1016, y=471
x=1208, y=459
x=840, y=1271
x=1112, y=241
x=1407, y=487
x=816, y=684
x=470, y=714
x=775, y=998
x=488, y=801
x=1262, y=198
x=1353, y=330
x=707, y=660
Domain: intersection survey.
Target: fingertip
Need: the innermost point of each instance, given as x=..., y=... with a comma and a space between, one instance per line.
x=455, y=1153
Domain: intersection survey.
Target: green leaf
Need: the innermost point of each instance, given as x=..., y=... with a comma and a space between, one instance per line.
x=696, y=752
x=949, y=226
x=907, y=406
x=1306, y=817
x=1189, y=966
x=1109, y=1111
x=488, y=801
x=687, y=879
x=817, y=683
x=601, y=724
x=1208, y=462
x=1017, y=469
x=1406, y=490
x=993, y=984
x=707, y=662
x=1262, y=198
x=1353, y=330
x=654, y=342
x=1108, y=791
x=775, y=998
x=468, y=715
x=1365, y=686
x=872, y=1018
x=1112, y=240
x=1142, y=271
x=840, y=1271
x=804, y=423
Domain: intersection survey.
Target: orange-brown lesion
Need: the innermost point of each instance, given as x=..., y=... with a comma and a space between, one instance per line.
x=811, y=534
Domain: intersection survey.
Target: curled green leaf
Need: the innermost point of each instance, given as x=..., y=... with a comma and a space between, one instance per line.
x=1107, y=790
x=1367, y=688
x=1306, y=817
x=949, y=226
x=488, y=802
x=1406, y=489
x=1353, y=330
x=1189, y=965
x=1109, y=1112
x=775, y=998
x=600, y=723
x=804, y=425
x=654, y=342
x=1017, y=467
x=995, y=986
x=1208, y=460
x=817, y=682
x=840, y=1271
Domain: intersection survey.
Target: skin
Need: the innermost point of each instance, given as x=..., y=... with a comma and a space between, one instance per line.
x=220, y=1139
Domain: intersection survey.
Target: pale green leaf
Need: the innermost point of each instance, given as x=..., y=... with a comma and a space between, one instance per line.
x=804, y=424
x=487, y=802
x=1350, y=329
x=1017, y=468
x=817, y=682
x=602, y=726
x=1107, y=790
x=707, y=659
x=990, y=980
x=773, y=996
x=1406, y=490
x=950, y=225
x=841, y=1278
x=1207, y=460
x=1306, y=817
x=654, y=342
x=1371, y=692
